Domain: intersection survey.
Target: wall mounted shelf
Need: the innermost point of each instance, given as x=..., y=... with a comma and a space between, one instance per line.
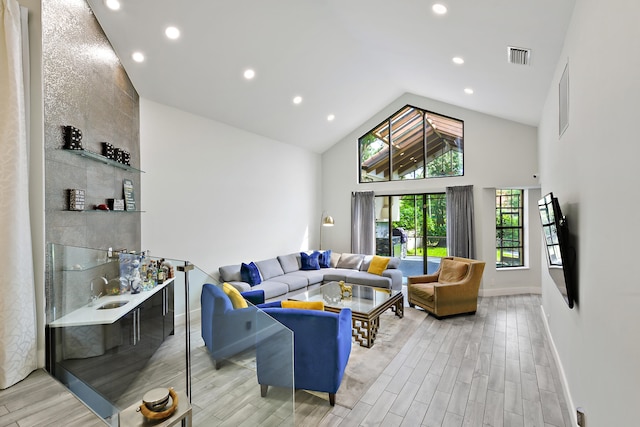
x=102, y=159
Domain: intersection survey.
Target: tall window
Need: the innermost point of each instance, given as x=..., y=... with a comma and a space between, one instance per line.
x=412, y=144
x=509, y=228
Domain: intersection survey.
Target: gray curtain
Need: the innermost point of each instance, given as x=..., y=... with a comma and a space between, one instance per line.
x=363, y=223
x=461, y=236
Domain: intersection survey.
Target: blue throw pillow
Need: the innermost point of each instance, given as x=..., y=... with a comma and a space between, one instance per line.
x=310, y=261
x=250, y=273
x=325, y=259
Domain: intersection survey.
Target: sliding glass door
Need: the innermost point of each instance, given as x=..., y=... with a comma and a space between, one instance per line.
x=412, y=227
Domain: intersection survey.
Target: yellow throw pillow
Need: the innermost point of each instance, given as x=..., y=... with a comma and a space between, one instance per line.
x=234, y=295
x=378, y=264
x=305, y=305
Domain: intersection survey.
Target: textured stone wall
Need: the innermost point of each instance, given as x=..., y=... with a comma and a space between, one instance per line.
x=86, y=86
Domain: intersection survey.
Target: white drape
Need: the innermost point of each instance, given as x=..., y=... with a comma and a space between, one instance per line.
x=18, y=344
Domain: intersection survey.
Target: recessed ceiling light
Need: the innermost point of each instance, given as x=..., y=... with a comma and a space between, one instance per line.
x=249, y=74
x=331, y=117
x=172, y=33
x=297, y=100
x=137, y=56
x=112, y=4
x=439, y=9
x=468, y=90
x=458, y=60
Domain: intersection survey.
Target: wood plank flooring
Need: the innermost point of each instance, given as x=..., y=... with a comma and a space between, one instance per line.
x=492, y=369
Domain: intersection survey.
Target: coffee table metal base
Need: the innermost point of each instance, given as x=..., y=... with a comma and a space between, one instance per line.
x=365, y=325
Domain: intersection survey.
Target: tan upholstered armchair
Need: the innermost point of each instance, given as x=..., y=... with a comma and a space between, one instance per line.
x=453, y=289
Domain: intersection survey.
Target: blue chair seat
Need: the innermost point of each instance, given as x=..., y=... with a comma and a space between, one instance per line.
x=322, y=346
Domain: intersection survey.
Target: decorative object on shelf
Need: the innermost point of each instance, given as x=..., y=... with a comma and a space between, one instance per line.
x=102, y=207
x=154, y=402
x=129, y=197
x=76, y=199
x=108, y=150
x=73, y=138
x=126, y=157
x=119, y=155
x=116, y=204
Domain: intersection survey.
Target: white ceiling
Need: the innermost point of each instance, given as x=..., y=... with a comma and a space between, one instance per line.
x=350, y=58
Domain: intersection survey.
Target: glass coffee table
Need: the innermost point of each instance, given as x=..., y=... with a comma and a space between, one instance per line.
x=366, y=304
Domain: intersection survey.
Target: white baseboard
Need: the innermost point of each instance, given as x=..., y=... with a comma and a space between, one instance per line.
x=180, y=318
x=509, y=291
x=563, y=378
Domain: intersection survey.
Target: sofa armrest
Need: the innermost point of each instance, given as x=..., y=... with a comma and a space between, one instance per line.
x=254, y=297
x=425, y=278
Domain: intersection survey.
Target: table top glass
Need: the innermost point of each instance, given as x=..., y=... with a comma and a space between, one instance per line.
x=364, y=299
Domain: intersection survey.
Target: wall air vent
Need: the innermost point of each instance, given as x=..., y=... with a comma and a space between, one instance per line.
x=518, y=55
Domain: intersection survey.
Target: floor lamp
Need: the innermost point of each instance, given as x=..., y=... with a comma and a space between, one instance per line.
x=325, y=221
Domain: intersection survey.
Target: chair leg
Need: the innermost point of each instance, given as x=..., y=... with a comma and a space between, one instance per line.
x=263, y=390
x=217, y=363
x=332, y=399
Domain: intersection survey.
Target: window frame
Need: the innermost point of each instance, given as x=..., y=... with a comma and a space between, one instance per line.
x=427, y=123
x=519, y=211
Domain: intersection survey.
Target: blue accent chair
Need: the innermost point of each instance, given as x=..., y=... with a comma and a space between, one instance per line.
x=322, y=345
x=227, y=331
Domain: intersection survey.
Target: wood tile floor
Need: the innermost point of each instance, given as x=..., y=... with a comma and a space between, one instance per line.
x=492, y=369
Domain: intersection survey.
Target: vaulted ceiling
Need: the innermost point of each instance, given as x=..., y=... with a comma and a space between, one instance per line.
x=348, y=58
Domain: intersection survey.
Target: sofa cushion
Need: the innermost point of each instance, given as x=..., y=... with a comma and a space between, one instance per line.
x=452, y=271
x=325, y=259
x=424, y=292
x=269, y=268
x=236, y=299
x=309, y=261
x=366, y=261
x=364, y=278
x=336, y=274
x=312, y=277
x=230, y=273
x=335, y=257
x=250, y=273
x=378, y=265
x=292, y=280
x=304, y=305
x=350, y=261
x=289, y=263
x=272, y=288
x=394, y=262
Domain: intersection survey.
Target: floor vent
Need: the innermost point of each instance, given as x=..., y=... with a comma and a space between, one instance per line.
x=518, y=55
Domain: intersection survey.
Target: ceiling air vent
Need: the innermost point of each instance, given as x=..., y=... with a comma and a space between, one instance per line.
x=518, y=55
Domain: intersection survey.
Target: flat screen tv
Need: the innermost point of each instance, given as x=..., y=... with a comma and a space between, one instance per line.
x=561, y=256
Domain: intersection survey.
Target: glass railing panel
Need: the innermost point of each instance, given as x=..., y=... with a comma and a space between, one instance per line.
x=116, y=329
x=231, y=393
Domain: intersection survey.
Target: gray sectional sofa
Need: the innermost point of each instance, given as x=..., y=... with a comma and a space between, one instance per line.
x=283, y=275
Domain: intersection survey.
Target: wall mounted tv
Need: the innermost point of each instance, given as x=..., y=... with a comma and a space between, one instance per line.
x=561, y=256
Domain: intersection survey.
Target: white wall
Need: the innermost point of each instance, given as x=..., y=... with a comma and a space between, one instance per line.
x=217, y=195
x=592, y=170
x=498, y=154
